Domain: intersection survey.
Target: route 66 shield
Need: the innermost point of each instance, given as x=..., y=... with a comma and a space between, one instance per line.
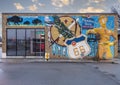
x=78, y=47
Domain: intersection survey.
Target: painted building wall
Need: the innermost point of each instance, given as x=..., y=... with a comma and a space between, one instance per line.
x=74, y=36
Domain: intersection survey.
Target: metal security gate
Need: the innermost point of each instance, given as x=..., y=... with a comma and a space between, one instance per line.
x=28, y=43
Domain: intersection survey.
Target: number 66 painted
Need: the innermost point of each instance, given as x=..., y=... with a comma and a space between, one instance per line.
x=78, y=47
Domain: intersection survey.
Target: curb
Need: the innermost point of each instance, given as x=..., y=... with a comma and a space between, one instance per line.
x=114, y=61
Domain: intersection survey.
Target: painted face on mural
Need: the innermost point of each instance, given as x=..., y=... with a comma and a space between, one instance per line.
x=103, y=20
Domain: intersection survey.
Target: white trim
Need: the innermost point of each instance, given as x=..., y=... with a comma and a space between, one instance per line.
x=24, y=57
x=34, y=56
x=15, y=57
x=4, y=56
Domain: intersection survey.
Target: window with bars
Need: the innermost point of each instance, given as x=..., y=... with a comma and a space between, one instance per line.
x=25, y=42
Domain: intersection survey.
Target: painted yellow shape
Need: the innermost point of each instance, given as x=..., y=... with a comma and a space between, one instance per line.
x=104, y=43
x=47, y=56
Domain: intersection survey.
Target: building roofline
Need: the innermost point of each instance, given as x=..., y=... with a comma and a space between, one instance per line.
x=60, y=13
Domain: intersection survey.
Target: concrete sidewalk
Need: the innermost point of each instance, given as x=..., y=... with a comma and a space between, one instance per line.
x=27, y=60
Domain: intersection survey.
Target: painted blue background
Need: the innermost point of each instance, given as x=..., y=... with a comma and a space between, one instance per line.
x=62, y=51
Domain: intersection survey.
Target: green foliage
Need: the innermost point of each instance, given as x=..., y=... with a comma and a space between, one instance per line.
x=66, y=33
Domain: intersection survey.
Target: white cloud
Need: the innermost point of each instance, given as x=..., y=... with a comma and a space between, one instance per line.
x=61, y=3
x=91, y=10
x=65, y=2
x=96, y=1
x=57, y=3
x=72, y=1
x=18, y=6
x=34, y=0
x=40, y=4
x=33, y=7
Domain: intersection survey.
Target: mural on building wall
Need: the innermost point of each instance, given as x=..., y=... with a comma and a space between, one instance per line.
x=75, y=36
x=104, y=43
x=25, y=20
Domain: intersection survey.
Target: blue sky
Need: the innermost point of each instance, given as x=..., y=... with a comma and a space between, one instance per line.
x=55, y=6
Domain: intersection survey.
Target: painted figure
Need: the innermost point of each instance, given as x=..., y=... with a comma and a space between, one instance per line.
x=104, y=44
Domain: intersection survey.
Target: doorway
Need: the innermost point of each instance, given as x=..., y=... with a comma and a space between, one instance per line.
x=29, y=43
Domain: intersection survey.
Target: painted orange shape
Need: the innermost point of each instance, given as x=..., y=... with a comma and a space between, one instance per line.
x=73, y=43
